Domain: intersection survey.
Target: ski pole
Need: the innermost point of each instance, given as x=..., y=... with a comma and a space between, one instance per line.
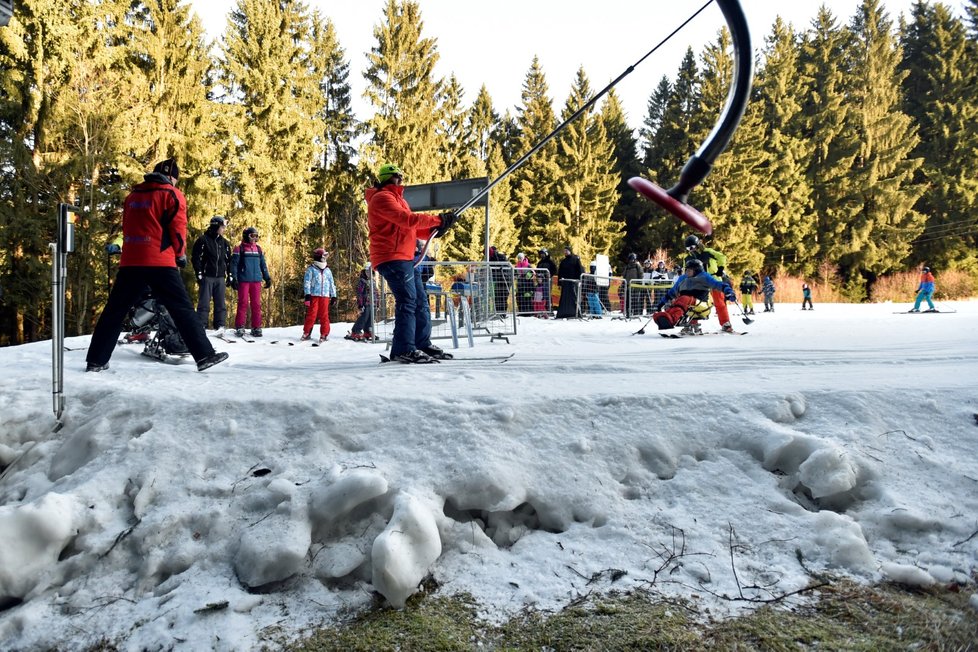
x=546, y=139
x=743, y=315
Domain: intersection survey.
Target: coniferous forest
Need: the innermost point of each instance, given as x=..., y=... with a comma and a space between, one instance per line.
x=856, y=157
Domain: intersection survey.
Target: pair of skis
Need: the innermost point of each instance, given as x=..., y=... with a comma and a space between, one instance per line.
x=488, y=358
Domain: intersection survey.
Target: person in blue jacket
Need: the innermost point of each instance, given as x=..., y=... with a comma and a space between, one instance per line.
x=925, y=291
x=248, y=270
x=806, y=297
x=691, y=287
x=767, y=288
x=319, y=288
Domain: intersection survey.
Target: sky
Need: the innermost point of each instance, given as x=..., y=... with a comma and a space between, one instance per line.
x=481, y=44
x=839, y=440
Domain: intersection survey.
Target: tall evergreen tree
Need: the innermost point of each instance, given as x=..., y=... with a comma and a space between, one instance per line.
x=342, y=224
x=587, y=184
x=458, y=157
x=274, y=99
x=404, y=91
x=738, y=193
x=825, y=114
x=675, y=140
x=655, y=110
x=939, y=94
x=883, y=192
x=787, y=228
x=534, y=199
x=629, y=206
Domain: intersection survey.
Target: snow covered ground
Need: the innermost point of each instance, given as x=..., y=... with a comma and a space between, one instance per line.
x=842, y=439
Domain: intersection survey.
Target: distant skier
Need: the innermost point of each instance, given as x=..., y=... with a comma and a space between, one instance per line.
x=806, y=294
x=768, y=289
x=319, y=288
x=925, y=291
x=691, y=287
x=748, y=286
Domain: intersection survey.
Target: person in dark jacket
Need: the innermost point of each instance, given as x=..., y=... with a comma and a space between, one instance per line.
x=547, y=263
x=569, y=274
x=211, y=259
x=154, y=234
x=806, y=297
x=748, y=286
x=631, y=298
x=768, y=289
x=368, y=295
x=248, y=270
x=693, y=286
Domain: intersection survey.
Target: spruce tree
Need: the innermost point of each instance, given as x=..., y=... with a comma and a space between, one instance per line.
x=674, y=142
x=883, y=192
x=629, y=206
x=737, y=195
x=404, y=91
x=459, y=154
x=273, y=101
x=786, y=228
x=939, y=94
x=825, y=115
x=656, y=108
x=587, y=185
x=534, y=203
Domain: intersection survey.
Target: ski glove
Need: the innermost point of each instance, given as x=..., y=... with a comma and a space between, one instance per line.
x=308, y=300
x=181, y=261
x=447, y=220
x=268, y=283
x=728, y=293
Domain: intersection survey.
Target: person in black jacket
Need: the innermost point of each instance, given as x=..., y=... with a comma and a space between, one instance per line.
x=569, y=276
x=547, y=263
x=211, y=258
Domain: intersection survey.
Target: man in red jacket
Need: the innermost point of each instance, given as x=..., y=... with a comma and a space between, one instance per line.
x=394, y=230
x=154, y=244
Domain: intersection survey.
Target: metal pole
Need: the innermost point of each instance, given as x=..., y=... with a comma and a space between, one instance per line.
x=64, y=245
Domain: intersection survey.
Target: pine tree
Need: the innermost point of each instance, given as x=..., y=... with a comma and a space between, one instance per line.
x=459, y=156
x=534, y=197
x=656, y=108
x=675, y=141
x=342, y=226
x=939, y=95
x=402, y=87
x=629, y=207
x=587, y=183
x=737, y=195
x=825, y=114
x=883, y=192
x=273, y=101
x=786, y=229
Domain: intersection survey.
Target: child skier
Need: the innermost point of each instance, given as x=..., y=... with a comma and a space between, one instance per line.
x=925, y=290
x=768, y=290
x=319, y=288
x=364, y=325
x=748, y=286
x=691, y=287
x=806, y=294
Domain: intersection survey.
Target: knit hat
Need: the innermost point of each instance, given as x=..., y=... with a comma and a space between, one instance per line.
x=168, y=168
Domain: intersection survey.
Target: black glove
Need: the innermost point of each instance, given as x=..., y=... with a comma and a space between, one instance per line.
x=233, y=284
x=308, y=300
x=659, y=306
x=268, y=283
x=447, y=220
x=181, y=261
x=719, y=271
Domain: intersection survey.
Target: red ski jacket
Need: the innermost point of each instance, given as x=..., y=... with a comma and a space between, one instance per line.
x=394, y=229
x=154, y=224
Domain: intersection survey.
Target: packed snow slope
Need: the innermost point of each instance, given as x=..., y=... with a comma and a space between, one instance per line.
x=292, y=485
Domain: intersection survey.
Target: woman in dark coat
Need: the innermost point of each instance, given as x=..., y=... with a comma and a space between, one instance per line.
x=569, y=276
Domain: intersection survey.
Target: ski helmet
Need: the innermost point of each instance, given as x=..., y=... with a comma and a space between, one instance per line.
x=387, y=171
x=632, y=257
x=544, y=252
x=217, y=222
x=247, y=233
x=691, y=242
x=694, y=264
x=927, y=269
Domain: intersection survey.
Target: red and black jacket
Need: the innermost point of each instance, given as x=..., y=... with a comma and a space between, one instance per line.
x=154, y=224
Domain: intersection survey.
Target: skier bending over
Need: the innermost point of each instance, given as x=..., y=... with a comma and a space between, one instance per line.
x=690, y=288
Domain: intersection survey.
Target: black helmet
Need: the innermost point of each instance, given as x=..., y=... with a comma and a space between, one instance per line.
x=632, y=257
x=691, y=241
x=217, y=221
x=694, y=264
x=927, y=269
x=247, y=233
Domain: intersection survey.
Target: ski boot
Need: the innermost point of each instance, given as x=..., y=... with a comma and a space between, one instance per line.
x=437, y=353
x=692, y=328
x=256, y=332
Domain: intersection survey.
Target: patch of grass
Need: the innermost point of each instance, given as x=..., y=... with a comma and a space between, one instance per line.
x=843, y=616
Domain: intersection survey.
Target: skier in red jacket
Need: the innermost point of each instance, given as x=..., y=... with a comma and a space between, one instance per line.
x=154, y=236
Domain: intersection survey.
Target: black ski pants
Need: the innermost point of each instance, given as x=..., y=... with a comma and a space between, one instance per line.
x=168, y=289
x=212, y=287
